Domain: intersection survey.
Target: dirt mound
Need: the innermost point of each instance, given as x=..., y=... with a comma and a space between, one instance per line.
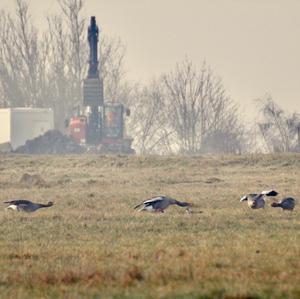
x=52, y=142
x=5, y=147
x=30, y=180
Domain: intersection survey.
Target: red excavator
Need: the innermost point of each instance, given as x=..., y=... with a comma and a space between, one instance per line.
x=101, y=128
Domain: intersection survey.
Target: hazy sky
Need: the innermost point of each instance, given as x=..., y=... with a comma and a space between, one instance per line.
x=253, y=45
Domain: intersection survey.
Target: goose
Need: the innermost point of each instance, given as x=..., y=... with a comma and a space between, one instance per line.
x=26, y=205
x=160, y=203
x=287, y=203
x=257, y=201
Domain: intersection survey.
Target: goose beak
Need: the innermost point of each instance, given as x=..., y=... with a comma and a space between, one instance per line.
x=188, y=210
x=189, y=207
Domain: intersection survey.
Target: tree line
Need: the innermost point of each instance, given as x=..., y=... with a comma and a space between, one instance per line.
x=184, y=111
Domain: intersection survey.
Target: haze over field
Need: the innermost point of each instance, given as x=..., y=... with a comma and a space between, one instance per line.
x=253, y=45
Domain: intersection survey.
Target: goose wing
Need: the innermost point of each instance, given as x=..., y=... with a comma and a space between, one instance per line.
x=18, y=202
x=154, y=200
x=151, y=201
x=270, y=193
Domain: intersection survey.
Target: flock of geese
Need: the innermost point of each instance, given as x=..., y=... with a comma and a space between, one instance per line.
x=158, y=204
x=258, y=201
x=255, y=201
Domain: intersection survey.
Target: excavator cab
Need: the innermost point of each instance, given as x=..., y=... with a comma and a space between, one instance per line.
x=113, y=124
x=114, y=137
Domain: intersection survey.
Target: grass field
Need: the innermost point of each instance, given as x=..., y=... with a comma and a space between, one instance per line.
x=92, y=244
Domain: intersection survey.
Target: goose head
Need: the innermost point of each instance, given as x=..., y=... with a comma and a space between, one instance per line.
x=183, y=204
x=248, y=196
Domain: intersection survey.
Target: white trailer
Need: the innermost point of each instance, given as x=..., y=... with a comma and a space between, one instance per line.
x=20, y=124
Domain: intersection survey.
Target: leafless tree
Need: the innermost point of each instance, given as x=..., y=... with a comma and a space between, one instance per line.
x=148, y=123
x=199, y=110
x=112, y=53
x=62, y=90
x=66, y=59
x=185, y=112
x=22, y=58
x=279, y=129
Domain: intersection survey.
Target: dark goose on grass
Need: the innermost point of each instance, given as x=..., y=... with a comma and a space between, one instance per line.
x=26, y=205
x=159, y=204
x=287, y=203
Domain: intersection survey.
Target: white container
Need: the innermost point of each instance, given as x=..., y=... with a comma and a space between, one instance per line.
x=20, y=124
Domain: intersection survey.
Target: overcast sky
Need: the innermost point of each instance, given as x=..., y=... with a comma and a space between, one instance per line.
x=253, y=45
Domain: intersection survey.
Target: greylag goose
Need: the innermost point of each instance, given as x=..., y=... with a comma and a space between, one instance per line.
x=159, y=204
x=287, y=203
x=26, y=205
x=257, y=201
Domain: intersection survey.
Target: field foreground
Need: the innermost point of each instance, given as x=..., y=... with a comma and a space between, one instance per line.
x=92, y=244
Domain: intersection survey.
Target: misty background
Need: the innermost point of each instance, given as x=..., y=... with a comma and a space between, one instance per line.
x=199, y=76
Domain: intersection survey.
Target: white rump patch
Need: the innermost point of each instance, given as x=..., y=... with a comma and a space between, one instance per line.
x=12, y=207
x=149, y=208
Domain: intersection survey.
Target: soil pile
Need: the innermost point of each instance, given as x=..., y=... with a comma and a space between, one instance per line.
x=5, y=148
x=52, y=142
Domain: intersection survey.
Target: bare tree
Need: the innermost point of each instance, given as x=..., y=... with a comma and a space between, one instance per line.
x=199, y=110
x=62, y=99
x=279, y=129
x=148, y=123
x=67, y=59
x=22, y=58
x=185, y=112
x=10, y=63
x=112, y=53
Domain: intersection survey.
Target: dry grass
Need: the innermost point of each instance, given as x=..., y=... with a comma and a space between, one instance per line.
x=92, y=244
